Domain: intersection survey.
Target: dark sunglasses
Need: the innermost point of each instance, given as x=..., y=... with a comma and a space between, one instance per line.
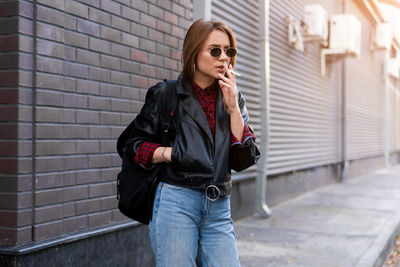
x=216, y=51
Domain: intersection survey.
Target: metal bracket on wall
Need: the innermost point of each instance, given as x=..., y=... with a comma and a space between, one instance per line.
x=295, y=36
x=332, y=52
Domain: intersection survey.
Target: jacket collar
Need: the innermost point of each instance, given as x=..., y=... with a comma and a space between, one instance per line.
x=184, y=86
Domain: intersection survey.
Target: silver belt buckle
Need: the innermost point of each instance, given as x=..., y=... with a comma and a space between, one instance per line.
x=211, y=191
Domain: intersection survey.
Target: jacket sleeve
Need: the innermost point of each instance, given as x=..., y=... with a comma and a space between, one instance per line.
x=243, y=155
x=146, y=125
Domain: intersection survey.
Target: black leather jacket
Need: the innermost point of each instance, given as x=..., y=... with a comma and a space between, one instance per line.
x=198, y=160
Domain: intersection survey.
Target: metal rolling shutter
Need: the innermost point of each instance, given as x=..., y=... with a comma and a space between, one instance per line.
x=366, y=98
x=243, y=18
x=395, y=119
x=304, y=105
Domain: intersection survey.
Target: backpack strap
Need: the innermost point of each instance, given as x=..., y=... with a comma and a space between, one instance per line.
x=168, y=108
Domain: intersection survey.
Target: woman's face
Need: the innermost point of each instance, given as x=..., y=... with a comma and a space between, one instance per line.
x=207, y=66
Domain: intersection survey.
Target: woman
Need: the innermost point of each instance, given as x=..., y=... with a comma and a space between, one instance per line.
x=191, y=221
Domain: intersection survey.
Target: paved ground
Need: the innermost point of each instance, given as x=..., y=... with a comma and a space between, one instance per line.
x=354, y=223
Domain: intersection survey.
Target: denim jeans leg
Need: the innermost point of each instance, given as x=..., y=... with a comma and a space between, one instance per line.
x=156, y=205
x=173, y=230
x=189, y=230
x=217, y=244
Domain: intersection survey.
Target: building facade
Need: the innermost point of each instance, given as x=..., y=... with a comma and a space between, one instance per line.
x=74, y=74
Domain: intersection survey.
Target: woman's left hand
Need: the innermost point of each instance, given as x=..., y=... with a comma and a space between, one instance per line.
x=229, y=90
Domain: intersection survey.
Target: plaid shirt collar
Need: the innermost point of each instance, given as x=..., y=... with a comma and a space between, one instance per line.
x=209, y=91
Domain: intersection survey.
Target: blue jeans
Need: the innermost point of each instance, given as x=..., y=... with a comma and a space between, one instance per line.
x=187, y=229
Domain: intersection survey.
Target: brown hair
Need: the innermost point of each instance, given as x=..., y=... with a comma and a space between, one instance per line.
x=195, y=38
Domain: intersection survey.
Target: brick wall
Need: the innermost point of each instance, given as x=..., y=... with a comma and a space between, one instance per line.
x=15, y=181
x=95, y=60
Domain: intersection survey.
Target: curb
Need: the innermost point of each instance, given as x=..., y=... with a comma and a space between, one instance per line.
x=376, y=254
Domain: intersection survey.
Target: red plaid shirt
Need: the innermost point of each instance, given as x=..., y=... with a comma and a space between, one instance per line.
x=207, y=98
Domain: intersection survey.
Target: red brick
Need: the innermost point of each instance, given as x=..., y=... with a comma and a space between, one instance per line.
x=156, y=11
x=25, y=9
x=117, y=216
x=74, y=224
x=147, y=70
x=8, y=131
x=48, y=230
x=8, y=9
x=8, y=236
x=8, y=96
x=45, y=180
x=8, y=218
x=24, y=182
x=76, y=193
x=177, y=9
x=8, y=43
x=24, y=235
x=138, y=56
x=8, y=166
x=24, y=217
x=46, y=214
x=98, y=219
x=9, y=113
x=156, y=35
x=24, y=200
x=15, y=236
x=138, y=81
x=109, y=174
x=8, y=200
x=178, y=32
x=147, y=20
x=88, y=206
x=97, y=190
x=69, y=209
x=109, y=203
x=171, y=41
x=51, y=196
x=176, y=54
x=111, y=6
x=8, y=148
x=9, y=78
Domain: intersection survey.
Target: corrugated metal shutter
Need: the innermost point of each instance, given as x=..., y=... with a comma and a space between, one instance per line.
x=366, y=98
x=397, y=120
x=243, y=18
x=304, y=105
x=394, y=118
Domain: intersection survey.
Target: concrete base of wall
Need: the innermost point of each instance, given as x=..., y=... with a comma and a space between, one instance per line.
x=286, y=186
x=129, y=245
x=126, y=247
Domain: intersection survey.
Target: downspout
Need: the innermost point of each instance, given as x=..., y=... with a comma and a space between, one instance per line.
x=261, y=179
x=387, y=106
x=201, y=9
x=344, y=114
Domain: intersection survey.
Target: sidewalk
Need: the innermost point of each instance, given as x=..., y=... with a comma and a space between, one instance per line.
x=353, y=223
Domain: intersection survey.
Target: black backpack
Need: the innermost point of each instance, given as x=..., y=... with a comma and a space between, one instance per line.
x=136, y=187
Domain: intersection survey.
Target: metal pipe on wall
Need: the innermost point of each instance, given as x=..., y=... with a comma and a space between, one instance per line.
x=261, y=179
x=387, y=108
x=345, y=161
x=201, y=9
